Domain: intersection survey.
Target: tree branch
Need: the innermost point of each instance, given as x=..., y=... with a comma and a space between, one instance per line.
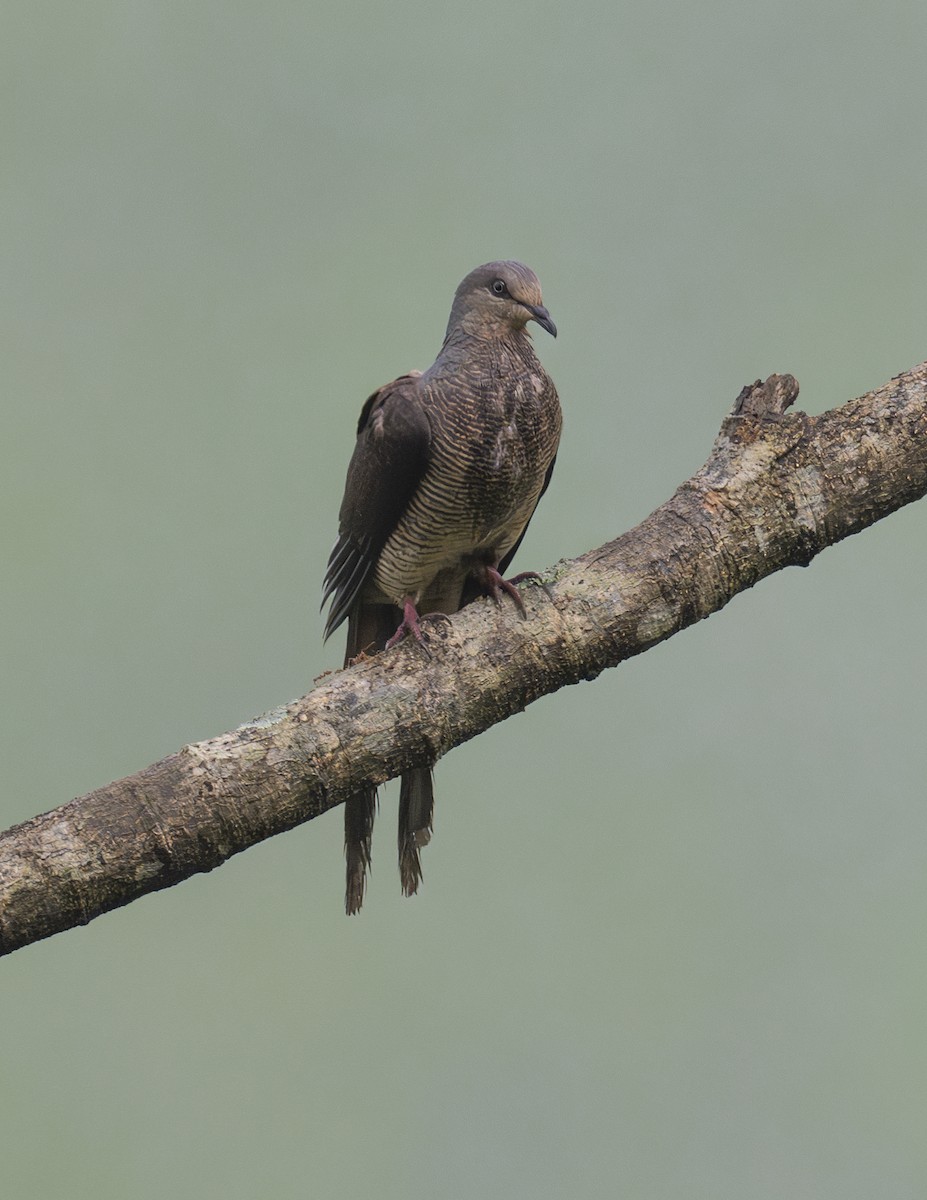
x=777, y=489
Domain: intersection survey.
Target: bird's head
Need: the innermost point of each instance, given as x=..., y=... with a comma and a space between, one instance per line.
x=497, y=299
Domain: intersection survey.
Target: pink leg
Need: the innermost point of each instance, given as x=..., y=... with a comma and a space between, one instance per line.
x=409, y=624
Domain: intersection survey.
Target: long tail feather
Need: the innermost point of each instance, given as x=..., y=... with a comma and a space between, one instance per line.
x=359, y=812
x=369, y=625
x=416, y=812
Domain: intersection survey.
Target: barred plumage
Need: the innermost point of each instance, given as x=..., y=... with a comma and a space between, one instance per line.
x=448, y=468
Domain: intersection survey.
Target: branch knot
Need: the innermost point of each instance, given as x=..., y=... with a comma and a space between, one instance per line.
x=769, y=399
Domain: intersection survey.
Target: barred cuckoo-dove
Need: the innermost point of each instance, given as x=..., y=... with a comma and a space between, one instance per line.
x=447, y=470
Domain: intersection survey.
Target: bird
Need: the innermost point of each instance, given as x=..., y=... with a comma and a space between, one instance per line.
x=448, y=467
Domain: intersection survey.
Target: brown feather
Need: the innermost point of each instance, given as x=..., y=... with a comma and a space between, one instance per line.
x=447, y=471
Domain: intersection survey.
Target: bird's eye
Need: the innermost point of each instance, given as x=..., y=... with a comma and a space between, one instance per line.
x=499, y=288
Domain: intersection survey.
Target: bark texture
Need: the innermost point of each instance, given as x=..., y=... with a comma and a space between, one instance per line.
x=777, y=489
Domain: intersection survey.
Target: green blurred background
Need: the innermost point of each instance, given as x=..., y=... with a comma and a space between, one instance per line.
x=671, y=941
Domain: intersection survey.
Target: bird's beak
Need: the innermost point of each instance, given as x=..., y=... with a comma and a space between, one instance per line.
x=540, y=314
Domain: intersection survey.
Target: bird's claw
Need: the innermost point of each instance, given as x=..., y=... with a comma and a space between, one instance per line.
x=410, y=624
x=495, y=585
x=534, y=577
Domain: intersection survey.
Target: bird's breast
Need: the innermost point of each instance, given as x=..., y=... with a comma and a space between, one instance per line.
x=492, y=443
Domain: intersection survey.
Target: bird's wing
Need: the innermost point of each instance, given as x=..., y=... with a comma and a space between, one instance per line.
x=389, y=460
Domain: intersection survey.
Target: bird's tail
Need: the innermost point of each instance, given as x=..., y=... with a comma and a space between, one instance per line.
x=359, y=811
x=369, y=626
x=416, y=810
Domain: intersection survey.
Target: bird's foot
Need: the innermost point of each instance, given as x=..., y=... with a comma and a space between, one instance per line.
x=410, y=624
x=490, y=579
